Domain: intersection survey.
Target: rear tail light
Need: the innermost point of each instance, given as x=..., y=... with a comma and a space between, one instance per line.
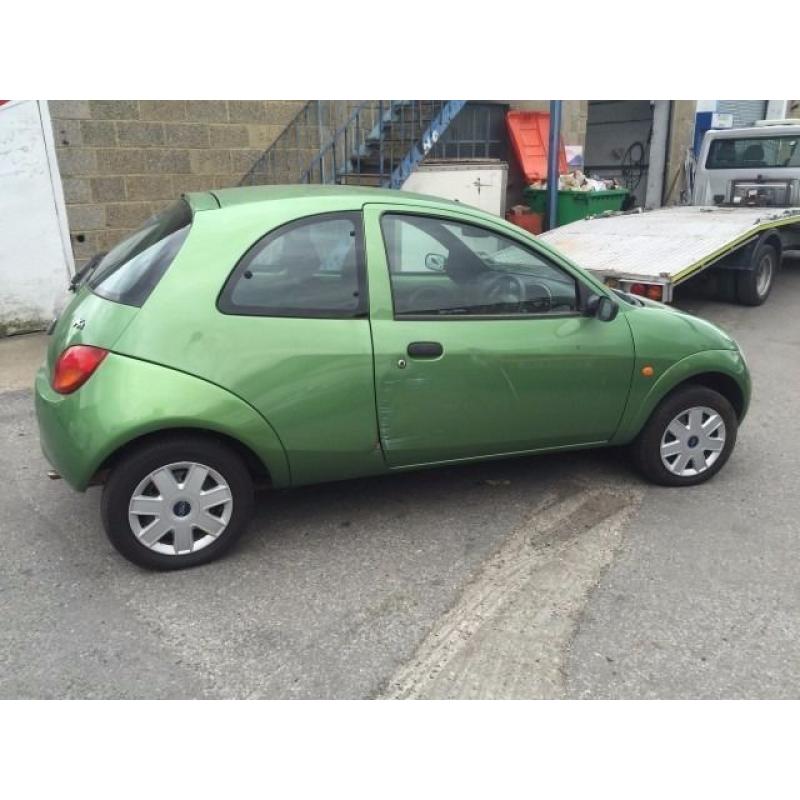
x=75, y=366
x=653, y=291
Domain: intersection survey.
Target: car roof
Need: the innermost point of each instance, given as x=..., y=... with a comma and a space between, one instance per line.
x=242, y=195
x=765, y=131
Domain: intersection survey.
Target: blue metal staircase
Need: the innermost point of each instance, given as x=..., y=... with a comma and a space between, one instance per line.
x=367, y=142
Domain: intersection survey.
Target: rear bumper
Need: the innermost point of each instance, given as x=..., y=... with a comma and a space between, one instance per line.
x=59, y=435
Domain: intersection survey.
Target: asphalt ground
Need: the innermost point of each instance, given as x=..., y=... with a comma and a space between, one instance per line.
x=549, y=576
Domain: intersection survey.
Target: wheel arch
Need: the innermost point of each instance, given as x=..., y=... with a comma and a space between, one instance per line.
x=255, y=465
x=723, y=371
x=744, y=258
x=128, y=399
x=721, y=383
x=772, y=237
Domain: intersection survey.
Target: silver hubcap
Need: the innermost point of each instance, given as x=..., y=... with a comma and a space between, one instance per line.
x=180, y=508
x=764, y=277
x=693, y=441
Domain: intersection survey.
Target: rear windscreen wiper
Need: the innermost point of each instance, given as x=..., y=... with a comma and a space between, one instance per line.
x=80, y=276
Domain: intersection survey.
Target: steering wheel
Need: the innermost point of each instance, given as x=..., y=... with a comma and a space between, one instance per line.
x=507, y=290
x=429, y=299
x=540, y=298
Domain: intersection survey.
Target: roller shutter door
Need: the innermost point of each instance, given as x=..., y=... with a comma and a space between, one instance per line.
x=745, y=112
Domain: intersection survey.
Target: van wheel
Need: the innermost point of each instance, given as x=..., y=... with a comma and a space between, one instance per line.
x=177, y=503
x=754, y=285
x=688, y=437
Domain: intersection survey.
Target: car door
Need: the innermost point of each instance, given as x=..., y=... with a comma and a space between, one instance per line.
x=294, y=341
x=480, y=344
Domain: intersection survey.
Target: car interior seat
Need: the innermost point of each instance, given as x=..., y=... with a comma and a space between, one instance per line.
x=754, y=155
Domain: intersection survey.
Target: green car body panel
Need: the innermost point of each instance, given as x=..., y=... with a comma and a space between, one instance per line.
x=317, y=399
x=134, y=398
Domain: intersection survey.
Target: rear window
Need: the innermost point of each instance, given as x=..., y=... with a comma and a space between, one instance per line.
x=758, y=151
x=130, y=271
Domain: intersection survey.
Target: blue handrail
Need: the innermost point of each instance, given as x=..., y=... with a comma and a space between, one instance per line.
x=419, y=150
x=376, y=142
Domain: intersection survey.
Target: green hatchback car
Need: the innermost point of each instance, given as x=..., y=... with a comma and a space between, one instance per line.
x=288, y=335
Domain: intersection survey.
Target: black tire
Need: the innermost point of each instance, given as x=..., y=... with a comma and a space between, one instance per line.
x=647, y=447
x=135, y=466
x=751, y=288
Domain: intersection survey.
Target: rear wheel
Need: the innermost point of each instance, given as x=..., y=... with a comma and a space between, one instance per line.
x=177, y=503
x=688, y=438
x=754, y=285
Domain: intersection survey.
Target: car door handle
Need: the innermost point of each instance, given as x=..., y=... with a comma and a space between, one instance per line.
x=425, y=350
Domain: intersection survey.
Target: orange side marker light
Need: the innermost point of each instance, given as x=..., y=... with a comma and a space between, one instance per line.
x=648, y=371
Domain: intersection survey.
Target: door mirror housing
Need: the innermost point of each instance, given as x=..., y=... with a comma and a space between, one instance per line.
x=435, y=262
x=601, y=307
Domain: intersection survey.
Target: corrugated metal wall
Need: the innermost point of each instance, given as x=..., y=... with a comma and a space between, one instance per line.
x=745, y=112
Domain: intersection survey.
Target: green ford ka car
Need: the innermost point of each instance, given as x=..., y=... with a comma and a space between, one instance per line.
x=287, y=335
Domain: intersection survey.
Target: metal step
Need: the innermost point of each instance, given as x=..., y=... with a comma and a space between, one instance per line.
x=362, y=142
x=420, y=123
x=394, y=150
x=363, y=179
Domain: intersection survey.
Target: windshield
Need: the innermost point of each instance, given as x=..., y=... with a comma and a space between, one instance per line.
x=758, y=151
x=129, y=272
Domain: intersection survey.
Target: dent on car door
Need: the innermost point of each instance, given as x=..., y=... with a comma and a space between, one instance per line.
x=482, y=349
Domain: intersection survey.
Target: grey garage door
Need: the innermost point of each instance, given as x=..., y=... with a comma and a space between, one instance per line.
x=745, y=112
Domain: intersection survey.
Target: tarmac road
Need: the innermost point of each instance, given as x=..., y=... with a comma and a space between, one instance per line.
x=555, y=576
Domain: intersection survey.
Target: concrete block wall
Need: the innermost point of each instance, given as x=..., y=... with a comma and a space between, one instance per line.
x=573, y=123
x=123, y=160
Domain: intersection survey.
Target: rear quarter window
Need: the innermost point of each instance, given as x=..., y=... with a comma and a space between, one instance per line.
x=130, y=271
x=312, y=267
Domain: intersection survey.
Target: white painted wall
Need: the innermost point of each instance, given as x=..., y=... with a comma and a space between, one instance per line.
x=35, y=254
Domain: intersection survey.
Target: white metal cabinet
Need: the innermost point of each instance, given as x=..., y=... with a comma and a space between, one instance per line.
x=481, y=184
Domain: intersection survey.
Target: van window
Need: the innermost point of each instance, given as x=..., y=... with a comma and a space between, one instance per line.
x=130, y=271
x=758, y=151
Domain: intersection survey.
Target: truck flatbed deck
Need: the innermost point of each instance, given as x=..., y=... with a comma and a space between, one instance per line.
x=666, y=245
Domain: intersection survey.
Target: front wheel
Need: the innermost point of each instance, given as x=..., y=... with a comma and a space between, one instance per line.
x=688, y=438
x=177, y=503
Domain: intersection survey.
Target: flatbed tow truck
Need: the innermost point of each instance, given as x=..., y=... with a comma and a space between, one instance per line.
x=745, y=215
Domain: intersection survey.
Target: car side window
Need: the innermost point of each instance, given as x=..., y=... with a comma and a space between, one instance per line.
x=444, y=268
x=313, y=267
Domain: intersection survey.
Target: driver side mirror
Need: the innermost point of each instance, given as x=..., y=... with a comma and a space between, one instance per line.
x=435, y=262
x=601, y=307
